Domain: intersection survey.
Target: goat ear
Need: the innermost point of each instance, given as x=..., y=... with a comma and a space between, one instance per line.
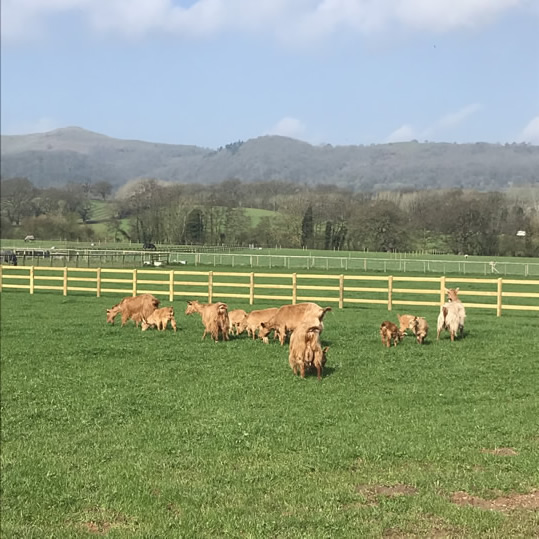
x=457, y=290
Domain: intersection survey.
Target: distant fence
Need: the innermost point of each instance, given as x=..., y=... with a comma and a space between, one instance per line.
x=95, y=258
x=497, y=294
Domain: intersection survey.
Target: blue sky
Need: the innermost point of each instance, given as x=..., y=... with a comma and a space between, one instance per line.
x=211, y=72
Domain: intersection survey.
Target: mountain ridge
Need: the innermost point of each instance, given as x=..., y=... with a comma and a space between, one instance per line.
x=75, y=154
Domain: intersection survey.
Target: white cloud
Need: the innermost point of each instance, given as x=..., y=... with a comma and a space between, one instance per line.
x=289, y=127
x=307, y=19
x=530, y=133
x=456, y=118
x=404, y=133
x=447, y=121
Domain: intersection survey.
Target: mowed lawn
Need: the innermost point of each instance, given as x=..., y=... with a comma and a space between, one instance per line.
x=111, y=431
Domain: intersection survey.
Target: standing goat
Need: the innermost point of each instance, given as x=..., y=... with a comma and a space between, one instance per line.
x=452, y=315
x=305, y=349
x=390, y=332
x=236, y=318
x=135, y=308
x=214, y=317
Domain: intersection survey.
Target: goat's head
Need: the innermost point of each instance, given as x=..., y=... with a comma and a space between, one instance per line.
x=111, y=314
x=192, y=307
x=452, y=294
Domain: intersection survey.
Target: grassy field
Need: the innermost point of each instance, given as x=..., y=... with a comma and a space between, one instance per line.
x=108, y=430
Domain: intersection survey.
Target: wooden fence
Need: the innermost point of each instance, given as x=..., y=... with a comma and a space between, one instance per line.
x=496, y=294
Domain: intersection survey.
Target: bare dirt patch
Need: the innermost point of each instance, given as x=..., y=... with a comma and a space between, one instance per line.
x=104, y=521
x=501, y=451
x=505, y=504
x=99, y=528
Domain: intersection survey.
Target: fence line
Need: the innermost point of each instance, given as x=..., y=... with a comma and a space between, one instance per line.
x=290, y=287
x=92, y=258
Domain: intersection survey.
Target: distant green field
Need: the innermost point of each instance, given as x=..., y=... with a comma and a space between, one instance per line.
x=256, y=215
x=111, y=431
x=102, y=210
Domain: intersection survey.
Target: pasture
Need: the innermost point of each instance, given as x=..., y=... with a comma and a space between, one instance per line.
x=108, y=430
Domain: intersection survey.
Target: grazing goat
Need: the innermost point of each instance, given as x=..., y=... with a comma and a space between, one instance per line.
x=390, y=332
x=160, y=319
x=214, y=317
x=416, y=324
x=452, y=315
x=252, y=322
x=134, y=308
x=420, y=328
x=236, y=318
x=405, y=321
x=289, y=317
x=306, y=351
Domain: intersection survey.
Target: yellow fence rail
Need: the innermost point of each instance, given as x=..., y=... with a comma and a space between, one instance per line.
x=496, y=294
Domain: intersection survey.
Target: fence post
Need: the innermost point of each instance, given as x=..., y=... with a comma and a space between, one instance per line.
x=499, y=298
x=98, y=282
x=390, y=292
x=171, y=286
x=251, y=288
x=210, y=286
x=294, y=288
x=31, y=279
x=65, y=281
x=341, y=291
x=135, y=282
x=442, y=289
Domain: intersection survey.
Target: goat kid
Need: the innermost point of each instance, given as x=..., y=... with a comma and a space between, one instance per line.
x=160, y=319
x=390, y=332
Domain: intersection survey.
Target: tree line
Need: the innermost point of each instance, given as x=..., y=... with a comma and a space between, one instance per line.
x=314, y=217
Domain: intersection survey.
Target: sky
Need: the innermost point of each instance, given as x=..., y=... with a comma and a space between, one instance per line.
x=212, y=72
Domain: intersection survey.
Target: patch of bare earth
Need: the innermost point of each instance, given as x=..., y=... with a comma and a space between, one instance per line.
x=505, y=504
x=501, y=451
x=104, y=521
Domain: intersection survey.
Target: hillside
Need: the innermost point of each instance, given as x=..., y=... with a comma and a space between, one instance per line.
x=75, y=154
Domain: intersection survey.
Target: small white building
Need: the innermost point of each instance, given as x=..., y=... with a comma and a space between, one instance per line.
x=521, y=233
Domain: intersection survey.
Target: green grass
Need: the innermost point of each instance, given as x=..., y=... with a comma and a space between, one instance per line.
x=108, y=429
x=257, y=214
x=102, y=210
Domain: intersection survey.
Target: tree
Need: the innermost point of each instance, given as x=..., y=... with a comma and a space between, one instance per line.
x=194, y=227
x=16, y=197
x=379, y=226
x=102, y=188
x=307, y=228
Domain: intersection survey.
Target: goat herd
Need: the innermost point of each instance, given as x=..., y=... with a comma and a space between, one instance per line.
x=302, y=321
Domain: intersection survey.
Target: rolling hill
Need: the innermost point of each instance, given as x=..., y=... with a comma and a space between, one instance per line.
x=75, y=154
